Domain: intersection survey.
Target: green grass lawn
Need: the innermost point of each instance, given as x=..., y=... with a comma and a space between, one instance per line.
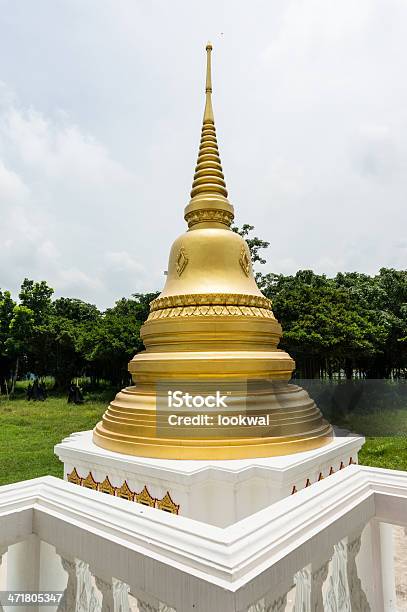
x=386, y=437
x=29, y=431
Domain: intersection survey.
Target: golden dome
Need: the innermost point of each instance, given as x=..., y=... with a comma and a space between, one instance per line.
x=212, y=325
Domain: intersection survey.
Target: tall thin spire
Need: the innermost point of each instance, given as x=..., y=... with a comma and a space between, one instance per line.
x=208, y=114
x=209, y=204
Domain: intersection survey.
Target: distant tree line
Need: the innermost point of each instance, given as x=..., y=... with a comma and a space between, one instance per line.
x=353, y=325
x=350, y=325
x=66, y=338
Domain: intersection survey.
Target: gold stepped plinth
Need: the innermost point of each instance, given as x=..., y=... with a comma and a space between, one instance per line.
x=212, y=323
x=295, y=425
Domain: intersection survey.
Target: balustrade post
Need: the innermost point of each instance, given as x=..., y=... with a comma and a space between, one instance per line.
x=88, y=598
x=303, y=582
x=358, y=599
x=68, y=600
x=309, y=582
x=121, y=592
x=337, y=596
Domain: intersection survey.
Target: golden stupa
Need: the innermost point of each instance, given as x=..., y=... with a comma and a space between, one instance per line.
x=212, y=323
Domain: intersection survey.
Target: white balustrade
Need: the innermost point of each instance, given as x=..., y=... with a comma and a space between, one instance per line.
x=303, y=581
x=121, y=592
x=68, y=601
x=110, y=548
x=337, y=596
x=2, y=553
x=357, y=596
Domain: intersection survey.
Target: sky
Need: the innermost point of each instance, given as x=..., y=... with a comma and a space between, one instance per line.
x=101, y=105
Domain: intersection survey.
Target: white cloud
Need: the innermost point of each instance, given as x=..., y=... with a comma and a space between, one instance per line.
x=12, y=187
x=309, y=25
x=45, y=217
x=100, y=123
x=123, y=262
x=58, y=150
x=76, y=281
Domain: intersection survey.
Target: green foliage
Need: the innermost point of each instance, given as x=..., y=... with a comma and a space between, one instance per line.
x=351, y=323
x=254, y=244
x=37, y=297
x=75, y=310
x=20, y=329
x=7, y=306
x=109, y=345
x=67, y=337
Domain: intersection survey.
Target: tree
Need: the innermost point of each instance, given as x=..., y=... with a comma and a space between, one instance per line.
x=7, y=305
x=254, y=244
x=109, y=346
x=326, y=327
x=37, y=297
x=384, y=299
x=60, y=337
x=75, y=310
x=20, y=329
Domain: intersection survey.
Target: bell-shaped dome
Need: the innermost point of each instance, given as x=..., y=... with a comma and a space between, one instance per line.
x=199, y=259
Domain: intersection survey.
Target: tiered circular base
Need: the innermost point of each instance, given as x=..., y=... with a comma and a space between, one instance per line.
x=130, y=426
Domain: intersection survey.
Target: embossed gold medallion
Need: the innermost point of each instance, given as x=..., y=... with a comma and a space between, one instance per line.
x=245, y=262
x=182, y=261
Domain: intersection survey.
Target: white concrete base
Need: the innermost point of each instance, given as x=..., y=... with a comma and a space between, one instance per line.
x=215, y=492
x=173, y=562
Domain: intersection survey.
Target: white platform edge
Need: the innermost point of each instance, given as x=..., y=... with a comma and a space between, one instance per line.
x=80, y=447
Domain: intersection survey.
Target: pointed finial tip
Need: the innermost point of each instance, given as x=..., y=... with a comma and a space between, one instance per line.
x=209, y=46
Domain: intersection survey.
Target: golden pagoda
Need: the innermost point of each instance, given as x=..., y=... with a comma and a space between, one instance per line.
x=211, y=324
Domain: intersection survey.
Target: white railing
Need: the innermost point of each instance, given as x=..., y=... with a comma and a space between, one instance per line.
x=324, y=548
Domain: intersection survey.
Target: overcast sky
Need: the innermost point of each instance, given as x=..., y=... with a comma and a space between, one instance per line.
x=101, y=105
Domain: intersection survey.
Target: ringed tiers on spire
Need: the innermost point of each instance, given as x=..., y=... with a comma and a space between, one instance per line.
x=209, y=204
x=212, y=325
